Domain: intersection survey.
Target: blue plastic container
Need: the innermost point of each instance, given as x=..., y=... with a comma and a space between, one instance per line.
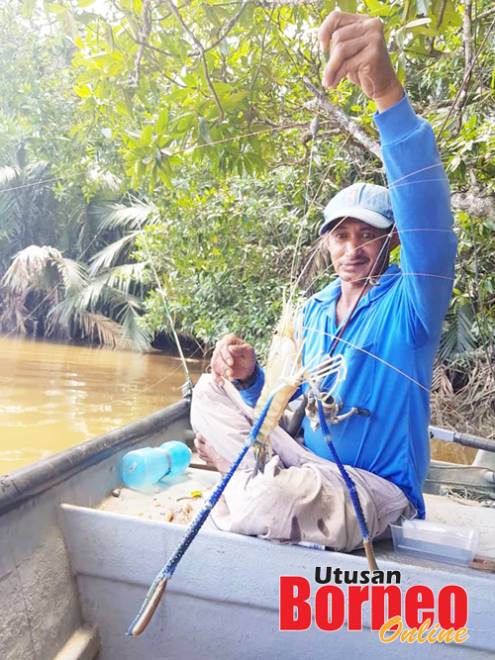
x=143, y=468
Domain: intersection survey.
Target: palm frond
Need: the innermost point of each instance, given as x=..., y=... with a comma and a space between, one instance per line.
x=99, y=310
x=73, y=274
x=120, y=216
x=106, y=182
x=111, y=253
x=137, y=335
x=8, y=175
x=7, y=210
x=127, y=272
x=93, y=294
x=458, y=336
x=110, y=333
x=104, y=329
x=31, y=268
x=13, y=313
x=128, y=278
x=37, y=170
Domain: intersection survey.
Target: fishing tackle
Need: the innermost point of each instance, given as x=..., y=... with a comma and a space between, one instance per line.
x=351, y=487
x=287, y=384
x=158, y=586
x=331, y=408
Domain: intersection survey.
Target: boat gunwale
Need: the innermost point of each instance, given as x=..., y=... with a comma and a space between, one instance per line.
x=25, y=483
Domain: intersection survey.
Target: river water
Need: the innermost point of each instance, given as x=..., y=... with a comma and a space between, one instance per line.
x=54, y=396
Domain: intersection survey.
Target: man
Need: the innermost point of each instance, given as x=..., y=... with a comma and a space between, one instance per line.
x=387, y=321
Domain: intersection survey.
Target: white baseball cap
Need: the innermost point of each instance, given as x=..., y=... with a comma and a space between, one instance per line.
x=362, y=201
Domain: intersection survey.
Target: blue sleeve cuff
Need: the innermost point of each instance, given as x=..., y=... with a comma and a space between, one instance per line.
x=397, y=122
x=251, y=394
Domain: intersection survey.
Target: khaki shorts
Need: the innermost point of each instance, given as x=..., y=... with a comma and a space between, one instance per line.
x=299, y=496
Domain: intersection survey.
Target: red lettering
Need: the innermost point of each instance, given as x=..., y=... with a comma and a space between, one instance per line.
x=378, y=594
x=357, y=596
x=457, y=595
x=323, y=619
x=295, y=611
x=418, y=598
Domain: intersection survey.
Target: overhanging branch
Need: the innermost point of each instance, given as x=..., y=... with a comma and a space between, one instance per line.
x=344, y=122
x=202, y=53
x=470, y=202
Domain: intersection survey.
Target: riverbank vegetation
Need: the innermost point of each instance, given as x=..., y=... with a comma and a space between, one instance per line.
x=152, y=143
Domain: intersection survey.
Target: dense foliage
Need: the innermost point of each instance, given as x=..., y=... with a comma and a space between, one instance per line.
x=173, y=143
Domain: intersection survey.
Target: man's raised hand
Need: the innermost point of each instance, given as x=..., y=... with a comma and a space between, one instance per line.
x=358, y=52
x=232, y=358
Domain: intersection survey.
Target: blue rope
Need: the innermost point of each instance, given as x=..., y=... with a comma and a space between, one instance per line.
x=351, y=486
x=169, y=568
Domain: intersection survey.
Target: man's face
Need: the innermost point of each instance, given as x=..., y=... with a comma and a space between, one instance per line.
x=355, y=249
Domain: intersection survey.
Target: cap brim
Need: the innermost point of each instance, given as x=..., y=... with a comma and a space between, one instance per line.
x=358, y=213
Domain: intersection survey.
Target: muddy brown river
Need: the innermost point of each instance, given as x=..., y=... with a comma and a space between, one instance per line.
x=54, y=396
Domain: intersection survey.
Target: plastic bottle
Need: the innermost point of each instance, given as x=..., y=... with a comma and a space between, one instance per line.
x=145, y=467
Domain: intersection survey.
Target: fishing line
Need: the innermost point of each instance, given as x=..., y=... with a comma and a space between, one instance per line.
x=30, y=185
x=272, y=129
x=314, y=127
x=369, y=353
x=170, y=374
x=315, y=252
x=188, y=385
x=318, y=249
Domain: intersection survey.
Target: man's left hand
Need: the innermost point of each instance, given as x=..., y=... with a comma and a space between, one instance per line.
x=358, y=52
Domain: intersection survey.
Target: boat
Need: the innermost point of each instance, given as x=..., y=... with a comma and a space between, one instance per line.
x=78, y=553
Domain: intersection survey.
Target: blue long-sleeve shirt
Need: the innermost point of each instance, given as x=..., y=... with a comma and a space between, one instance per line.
x=391, y=340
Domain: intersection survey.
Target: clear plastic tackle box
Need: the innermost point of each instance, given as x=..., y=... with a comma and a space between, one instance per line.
x=437, y=541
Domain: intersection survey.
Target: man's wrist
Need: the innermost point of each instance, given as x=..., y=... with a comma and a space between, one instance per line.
x=246, y=383
x=392, y=96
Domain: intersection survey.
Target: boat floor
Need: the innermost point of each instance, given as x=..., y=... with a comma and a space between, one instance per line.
x=178, y=501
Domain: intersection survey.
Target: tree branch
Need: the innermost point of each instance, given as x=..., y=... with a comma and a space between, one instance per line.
x=144, y=33
x=467, y=73
x=154, y=48
x=438, y=24
x=470, y=201
x=485, y=14
x=467, y=30
x=228, y=27
x=261, y=57
x=345, y=122
x=201, y=49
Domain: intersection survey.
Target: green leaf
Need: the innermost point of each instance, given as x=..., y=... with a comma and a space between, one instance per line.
x=147, y=135
x=162, y=121
x=83, y=91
